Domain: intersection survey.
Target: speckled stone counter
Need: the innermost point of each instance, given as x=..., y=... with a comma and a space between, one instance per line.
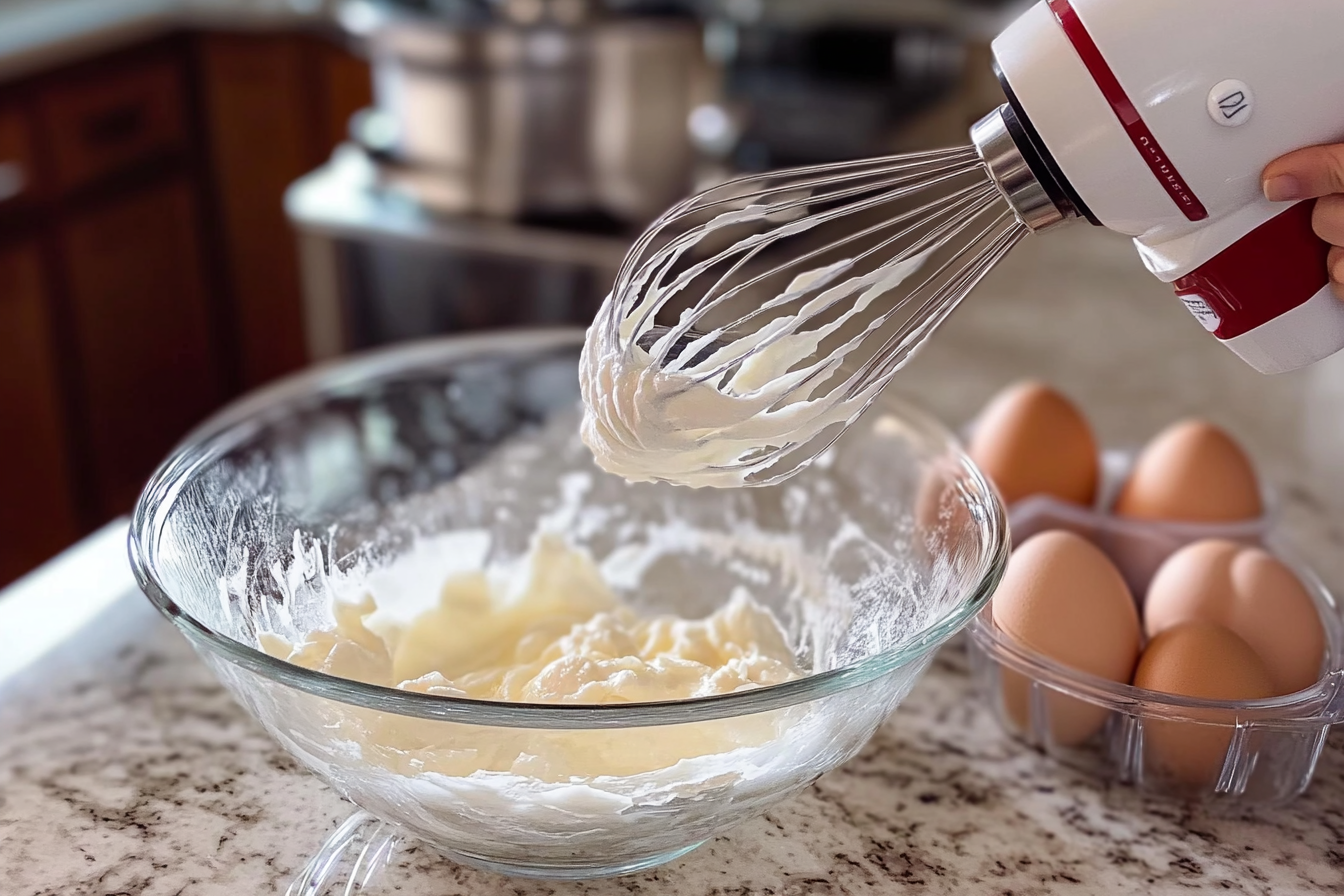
x=125, y=770
x=133, y=773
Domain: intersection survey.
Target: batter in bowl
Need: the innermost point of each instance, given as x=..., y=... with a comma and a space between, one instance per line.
x=552, y=634
x=547, y=629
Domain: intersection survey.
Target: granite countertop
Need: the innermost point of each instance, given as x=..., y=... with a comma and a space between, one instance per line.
x=124, y=769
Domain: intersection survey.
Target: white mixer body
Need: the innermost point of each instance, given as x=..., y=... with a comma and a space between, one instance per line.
x=1161, y=115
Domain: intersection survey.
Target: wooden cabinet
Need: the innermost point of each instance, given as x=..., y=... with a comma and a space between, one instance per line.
x=37, y=513
x=18, y=162
x=275, y=108
x=148, y=367
x=105, y=121
x=259, y=118
x=147, y=269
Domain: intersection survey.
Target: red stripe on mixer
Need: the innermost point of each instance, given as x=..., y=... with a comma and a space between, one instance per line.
x=1268, y=272
x=1144, y=141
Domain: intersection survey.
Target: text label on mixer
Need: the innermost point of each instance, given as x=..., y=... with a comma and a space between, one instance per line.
x=1203, y=311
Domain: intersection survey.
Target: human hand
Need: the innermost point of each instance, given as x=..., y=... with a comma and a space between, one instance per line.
x=1315, y=172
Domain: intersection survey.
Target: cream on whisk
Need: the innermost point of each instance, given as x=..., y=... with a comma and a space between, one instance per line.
x=724, y=410
x=755, y=321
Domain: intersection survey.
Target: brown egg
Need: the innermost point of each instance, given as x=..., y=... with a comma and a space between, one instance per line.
x=1063, y=597
x=1031, y=440
x=1194, y=472
x=1197, y=659
x=1249, y=591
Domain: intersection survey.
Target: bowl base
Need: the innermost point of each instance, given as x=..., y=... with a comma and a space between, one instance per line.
x=355, y=855
x=567, y=872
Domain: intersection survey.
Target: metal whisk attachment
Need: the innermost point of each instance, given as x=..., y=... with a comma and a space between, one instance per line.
x=807, y=289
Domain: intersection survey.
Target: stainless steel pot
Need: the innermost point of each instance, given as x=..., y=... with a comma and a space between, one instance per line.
x=532, y=108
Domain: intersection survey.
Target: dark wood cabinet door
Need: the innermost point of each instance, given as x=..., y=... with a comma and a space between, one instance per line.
x=140, y=310
x=262, y=118
x=37, y=514
x=18, y=162
x=98, y=124
x=275, y=108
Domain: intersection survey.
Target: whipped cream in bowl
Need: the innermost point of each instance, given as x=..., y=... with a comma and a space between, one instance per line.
x=409, y=568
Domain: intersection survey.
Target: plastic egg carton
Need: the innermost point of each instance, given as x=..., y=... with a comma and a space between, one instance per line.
x=1223, y=753
x=1138, y=547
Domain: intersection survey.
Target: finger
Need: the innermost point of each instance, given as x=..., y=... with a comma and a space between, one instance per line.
x=1336, y=263
x=1328, y=219
x=1305, y=174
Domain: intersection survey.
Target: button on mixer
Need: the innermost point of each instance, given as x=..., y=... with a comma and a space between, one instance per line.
x=1231, y=103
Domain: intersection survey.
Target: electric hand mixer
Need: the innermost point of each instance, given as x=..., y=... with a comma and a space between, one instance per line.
x=754, y=322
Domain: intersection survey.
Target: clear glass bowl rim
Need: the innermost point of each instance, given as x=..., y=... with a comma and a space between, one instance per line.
x=237, y=421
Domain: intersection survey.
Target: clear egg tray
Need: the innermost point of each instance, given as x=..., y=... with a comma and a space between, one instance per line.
x=1224, y=754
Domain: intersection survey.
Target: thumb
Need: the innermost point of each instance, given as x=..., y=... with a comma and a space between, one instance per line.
x=1305, y=174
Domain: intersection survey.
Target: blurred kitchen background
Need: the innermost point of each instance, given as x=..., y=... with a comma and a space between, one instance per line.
x=199, y=196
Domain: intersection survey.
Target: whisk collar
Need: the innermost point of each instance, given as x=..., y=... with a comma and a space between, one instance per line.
x=1009, y=167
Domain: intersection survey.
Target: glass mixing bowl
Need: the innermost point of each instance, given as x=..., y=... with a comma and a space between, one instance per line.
x=314, y=487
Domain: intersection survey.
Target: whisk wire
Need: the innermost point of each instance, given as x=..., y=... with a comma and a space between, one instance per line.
x=949, y=161
x=919, y=178
x=933, y=242
x=798, y=177
x=788, y=265
x=893, y=353
x=772, y=304
x=754, y=245
x=969, y=202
